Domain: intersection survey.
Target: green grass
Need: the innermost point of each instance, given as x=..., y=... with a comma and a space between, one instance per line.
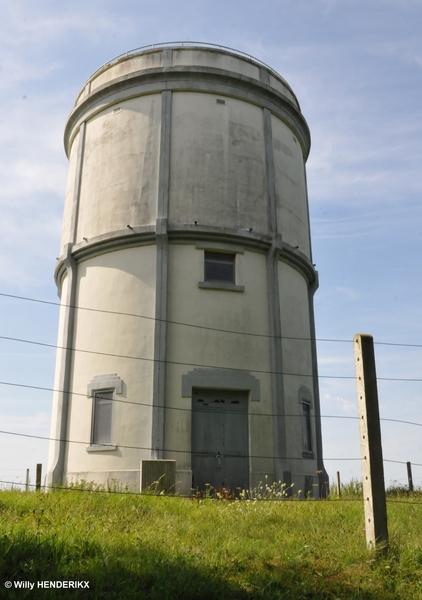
x=149, y=547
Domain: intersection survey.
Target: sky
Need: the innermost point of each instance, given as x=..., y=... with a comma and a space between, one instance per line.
x=356, y=68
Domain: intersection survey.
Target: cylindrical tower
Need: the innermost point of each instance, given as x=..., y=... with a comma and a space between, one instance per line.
x=185, y=275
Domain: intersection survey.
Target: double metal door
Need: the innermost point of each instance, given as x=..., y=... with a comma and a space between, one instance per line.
x=220, y=440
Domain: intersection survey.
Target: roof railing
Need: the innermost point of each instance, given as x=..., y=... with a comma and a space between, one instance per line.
x=187, y=44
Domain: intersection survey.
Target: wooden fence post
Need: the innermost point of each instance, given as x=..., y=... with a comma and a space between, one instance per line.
x=370, y=443
x=27, y=480
x=338, y=483
x=409, y=476
x=38, y=478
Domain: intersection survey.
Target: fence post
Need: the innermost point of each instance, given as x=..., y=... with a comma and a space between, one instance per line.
x=338, y=483
x=370, y=443
x=409, y=476
x=27, y=480
x=38, y=478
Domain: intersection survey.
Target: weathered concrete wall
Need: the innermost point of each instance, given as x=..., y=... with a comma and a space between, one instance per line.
x=120, y=169
x=191, y=347
x=105, y=342
x=183, y=57
x=217, y=172
x=126, y=67
x=290, y=187
x=217, y=60
x=298, y=369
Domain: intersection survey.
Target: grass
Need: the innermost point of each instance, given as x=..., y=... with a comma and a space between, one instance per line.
x=148, y=547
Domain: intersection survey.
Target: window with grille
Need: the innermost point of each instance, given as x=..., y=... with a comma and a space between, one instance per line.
x=219, y=267
x=101, y=417
x=306, y=427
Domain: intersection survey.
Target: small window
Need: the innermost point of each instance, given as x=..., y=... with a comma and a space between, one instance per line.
x=219, y=267
x=101, y=417
x=306, y=427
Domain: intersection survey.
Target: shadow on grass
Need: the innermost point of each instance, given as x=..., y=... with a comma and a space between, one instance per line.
x=144, y=573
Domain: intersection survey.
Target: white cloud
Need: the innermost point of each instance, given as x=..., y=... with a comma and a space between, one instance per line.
x=338, y=401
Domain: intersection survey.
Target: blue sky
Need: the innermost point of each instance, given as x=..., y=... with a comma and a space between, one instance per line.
x=356, y=69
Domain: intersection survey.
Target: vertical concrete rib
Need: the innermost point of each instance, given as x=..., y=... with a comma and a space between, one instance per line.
x=269, y=169
x=167, y=57
x=59, y=427
x=160, y=333
x=77, y=185
x=323, y=479
x=277, y=383
x=308, y=216
x=264, y=75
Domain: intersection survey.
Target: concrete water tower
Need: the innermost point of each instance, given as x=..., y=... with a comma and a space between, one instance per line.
x=185, y=275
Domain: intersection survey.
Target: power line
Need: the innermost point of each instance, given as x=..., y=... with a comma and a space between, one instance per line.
x=98, y=490
x=148, y=405
x=175, y=451
x=72, y=488
x=397, y=344
x=126, y=314
x=169, y=450
x=284, y=498
x=170, y=362
x=208, y=328
x=400, y=421
x=181, y=409
x=191, y=364
x=402, y=502
x=402, y=462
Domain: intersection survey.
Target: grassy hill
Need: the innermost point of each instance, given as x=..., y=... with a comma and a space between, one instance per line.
x=155, y=547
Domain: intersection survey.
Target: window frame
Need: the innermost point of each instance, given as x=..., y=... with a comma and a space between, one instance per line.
x=216, y=259
x=109, y=383
x=214, y=248
x=97, y=414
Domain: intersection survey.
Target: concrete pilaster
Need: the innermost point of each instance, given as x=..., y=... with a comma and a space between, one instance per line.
x=77, y=185
x=323, y=479
x=277, y=384
x=269, y=169
x=160, y=333
x=59, y=427
x=167, y=57
x=58, y=431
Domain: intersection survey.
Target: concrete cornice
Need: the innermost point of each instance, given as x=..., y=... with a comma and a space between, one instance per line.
x=189, y=234
x=189, y=46
x=189, y=78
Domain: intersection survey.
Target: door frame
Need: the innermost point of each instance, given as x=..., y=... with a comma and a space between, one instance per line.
x=222, y=379
x=221, y=410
